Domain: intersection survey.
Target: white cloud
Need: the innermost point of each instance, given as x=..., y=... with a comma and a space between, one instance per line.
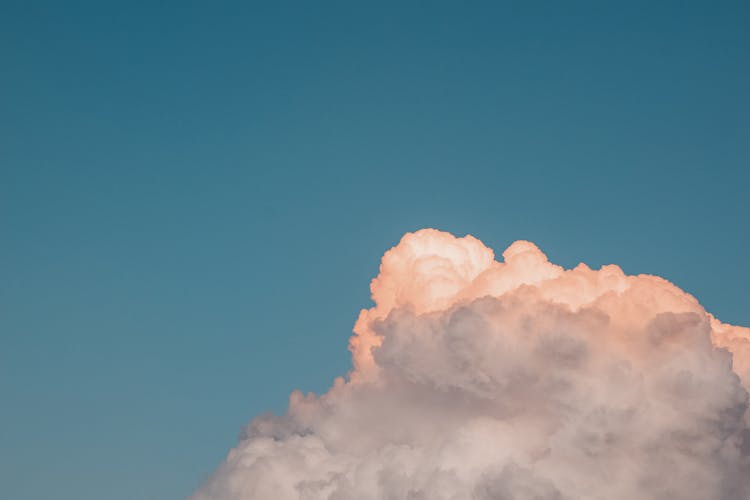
x=479, y=379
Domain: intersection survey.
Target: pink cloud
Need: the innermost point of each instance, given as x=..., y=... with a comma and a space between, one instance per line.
x=475, y=378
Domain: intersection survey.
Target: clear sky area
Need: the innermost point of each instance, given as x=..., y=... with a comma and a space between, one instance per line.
x=195, y=196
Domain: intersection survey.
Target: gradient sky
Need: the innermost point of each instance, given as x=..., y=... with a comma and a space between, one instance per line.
x=193, y=198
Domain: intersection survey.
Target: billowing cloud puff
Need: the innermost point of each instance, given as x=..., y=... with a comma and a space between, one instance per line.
x=517, y=379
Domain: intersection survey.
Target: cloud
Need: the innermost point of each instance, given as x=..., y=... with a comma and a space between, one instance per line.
x=516, y=380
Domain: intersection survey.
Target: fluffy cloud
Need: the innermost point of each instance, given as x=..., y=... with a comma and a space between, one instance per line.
x=513, y=380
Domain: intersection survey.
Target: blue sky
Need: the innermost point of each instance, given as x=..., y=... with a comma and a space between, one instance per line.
x=194, y=197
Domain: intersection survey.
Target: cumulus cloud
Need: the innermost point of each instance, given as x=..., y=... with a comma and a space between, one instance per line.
x=513, y=379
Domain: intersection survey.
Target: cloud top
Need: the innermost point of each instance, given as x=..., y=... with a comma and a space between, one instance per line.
x=481, y=379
